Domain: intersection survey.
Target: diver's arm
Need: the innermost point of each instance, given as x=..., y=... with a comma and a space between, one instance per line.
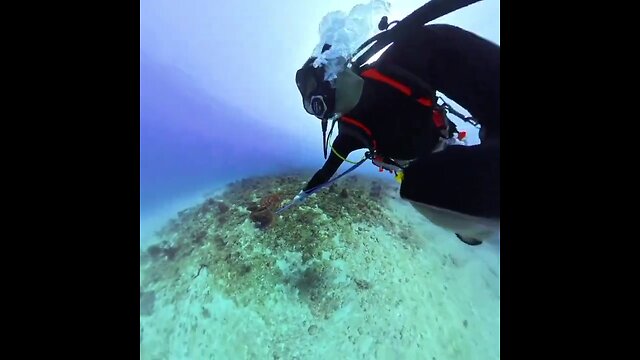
x=343, y=145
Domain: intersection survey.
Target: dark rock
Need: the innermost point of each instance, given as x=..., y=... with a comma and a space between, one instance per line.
x=222, y=207
x=313, y=329
x=376, y=191
x=154, y=251
x=244, y=269
x=262, y=218
x=219, y=242
x=171, y=252
x=205, y=313
x=199, y=236
x=362, y=284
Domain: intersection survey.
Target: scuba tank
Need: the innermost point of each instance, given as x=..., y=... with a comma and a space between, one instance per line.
x=426, y=13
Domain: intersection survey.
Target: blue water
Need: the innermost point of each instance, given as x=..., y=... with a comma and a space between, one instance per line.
x=189, y=140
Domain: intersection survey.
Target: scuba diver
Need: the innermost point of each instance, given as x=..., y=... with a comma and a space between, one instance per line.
x=390, y=108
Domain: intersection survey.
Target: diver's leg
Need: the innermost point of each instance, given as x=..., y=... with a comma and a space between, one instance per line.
x=471, y=230
x=458, y=189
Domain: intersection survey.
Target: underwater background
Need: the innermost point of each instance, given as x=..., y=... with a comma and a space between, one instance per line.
x=352, y=273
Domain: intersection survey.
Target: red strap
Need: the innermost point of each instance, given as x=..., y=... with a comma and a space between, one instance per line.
x=357, y=123
x=438, y=119
x=426, y=102
x=377, y=75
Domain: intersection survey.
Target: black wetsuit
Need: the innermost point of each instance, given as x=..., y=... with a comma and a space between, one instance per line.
x=464, y=67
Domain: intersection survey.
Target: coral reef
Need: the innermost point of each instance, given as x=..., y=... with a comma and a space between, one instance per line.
x=248, y=250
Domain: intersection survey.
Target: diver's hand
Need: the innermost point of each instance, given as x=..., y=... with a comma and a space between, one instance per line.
x=298, y=199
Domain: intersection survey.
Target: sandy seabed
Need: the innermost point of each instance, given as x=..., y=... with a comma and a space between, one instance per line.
x=353, y=273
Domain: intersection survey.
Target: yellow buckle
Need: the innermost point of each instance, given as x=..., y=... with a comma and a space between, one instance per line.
x=399, y=177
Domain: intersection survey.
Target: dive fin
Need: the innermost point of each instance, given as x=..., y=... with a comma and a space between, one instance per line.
x=469, y=241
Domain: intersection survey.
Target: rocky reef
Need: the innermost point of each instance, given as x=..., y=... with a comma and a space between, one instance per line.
x=248, y=250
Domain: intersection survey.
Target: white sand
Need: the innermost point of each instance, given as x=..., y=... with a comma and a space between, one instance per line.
x=416, y=307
